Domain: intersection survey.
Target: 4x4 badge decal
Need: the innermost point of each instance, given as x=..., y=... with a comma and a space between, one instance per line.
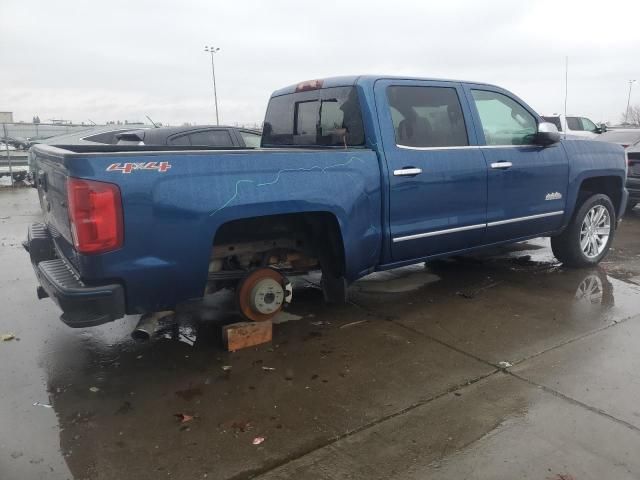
x=161, y=167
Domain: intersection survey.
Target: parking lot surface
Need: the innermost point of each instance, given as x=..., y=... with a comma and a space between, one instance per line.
x=499, y=366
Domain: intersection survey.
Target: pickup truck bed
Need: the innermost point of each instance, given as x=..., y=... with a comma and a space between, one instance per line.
x=171, y=218
x=356, y=174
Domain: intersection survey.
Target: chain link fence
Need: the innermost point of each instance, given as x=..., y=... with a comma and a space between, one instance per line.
x=40, y=130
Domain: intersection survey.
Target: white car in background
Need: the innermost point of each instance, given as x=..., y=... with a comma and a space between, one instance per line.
x=575, y=126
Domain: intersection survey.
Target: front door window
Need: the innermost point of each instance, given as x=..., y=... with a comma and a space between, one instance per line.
x=504, y=121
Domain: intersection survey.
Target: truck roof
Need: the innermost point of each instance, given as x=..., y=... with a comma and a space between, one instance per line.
x=348, y=80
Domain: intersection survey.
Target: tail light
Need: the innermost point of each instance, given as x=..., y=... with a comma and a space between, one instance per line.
x=95, y=213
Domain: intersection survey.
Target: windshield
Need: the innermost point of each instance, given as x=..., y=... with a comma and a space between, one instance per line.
x=328, y=117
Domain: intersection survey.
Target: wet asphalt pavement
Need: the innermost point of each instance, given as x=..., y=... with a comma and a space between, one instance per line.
x=404, y=382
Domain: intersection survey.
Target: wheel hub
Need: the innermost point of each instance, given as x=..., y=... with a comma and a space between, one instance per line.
x=267, y=296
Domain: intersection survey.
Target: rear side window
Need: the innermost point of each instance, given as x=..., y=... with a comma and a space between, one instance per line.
x=427, y=117
x=504, y=121
x=251, y=140
x=211, y=138
x=325, y=117
x=573, y=123
x=179, y=140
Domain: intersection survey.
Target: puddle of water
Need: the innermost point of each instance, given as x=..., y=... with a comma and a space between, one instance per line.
x=284, y=317
x=400, y=280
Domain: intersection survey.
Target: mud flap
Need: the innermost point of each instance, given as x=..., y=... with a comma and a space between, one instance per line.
x=334, y=289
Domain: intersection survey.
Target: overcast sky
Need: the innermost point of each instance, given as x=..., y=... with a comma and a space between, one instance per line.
x=124, y=59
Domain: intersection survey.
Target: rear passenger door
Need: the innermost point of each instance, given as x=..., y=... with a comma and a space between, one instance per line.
x=437, y=177
x=527, y=183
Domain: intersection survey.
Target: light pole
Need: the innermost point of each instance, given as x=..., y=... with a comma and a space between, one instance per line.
x=213, y=50
x=626, y=115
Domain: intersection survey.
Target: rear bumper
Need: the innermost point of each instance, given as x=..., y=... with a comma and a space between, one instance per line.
x=82, y=305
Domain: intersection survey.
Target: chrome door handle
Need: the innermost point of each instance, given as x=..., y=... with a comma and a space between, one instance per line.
x=501, y=165
x=407, y=172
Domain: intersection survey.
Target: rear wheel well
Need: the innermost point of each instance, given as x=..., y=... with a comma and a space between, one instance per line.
x=610, y=186
x=297, y=241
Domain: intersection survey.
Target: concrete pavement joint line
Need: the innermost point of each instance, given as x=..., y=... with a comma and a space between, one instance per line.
x=295, y=456
x=426, y=335
x=547, y=389
x=575, y=339
x=574, y=401
x=445, y=344
x=482, y=360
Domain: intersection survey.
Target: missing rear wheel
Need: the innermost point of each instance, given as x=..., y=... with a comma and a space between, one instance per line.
x=262, y=294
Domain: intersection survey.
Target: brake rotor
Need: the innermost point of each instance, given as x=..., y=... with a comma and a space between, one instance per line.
x=262, y=294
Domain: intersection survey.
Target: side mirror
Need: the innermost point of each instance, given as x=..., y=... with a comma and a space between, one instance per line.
x=547, y=134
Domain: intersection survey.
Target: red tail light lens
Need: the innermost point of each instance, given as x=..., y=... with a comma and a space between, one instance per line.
x=95, y=212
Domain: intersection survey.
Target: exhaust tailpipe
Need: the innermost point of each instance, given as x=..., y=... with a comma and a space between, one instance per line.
x=152, y=324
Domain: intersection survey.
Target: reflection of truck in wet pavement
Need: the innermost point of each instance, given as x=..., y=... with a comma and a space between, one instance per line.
x=356, y=174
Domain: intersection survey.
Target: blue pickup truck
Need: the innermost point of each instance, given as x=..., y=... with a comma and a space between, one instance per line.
x=354, y=175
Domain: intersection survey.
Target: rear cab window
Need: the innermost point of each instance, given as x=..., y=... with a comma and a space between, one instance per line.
x=555, y=120
x=329, y=117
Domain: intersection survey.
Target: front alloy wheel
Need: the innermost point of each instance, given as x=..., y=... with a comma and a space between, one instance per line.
x=587, y=238
x=595, y=231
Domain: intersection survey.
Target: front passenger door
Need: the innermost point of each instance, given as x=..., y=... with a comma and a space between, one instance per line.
x=527, y=183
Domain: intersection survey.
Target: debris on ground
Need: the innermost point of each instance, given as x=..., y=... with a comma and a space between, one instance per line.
x=320, y=323
x=94, y=389
x=353, y=324
x=126, y=407
x=268, y=369
x=5, y=337
x=465, y=295
x=226, y=368
x=183, y=417
x=473, y=293
x=190, y=393
x=258, y=440
x=505, y=364
x=524, y=260
x=242, y=426
x=45, y=405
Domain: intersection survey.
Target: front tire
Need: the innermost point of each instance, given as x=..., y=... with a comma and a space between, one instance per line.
x=589, y=235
